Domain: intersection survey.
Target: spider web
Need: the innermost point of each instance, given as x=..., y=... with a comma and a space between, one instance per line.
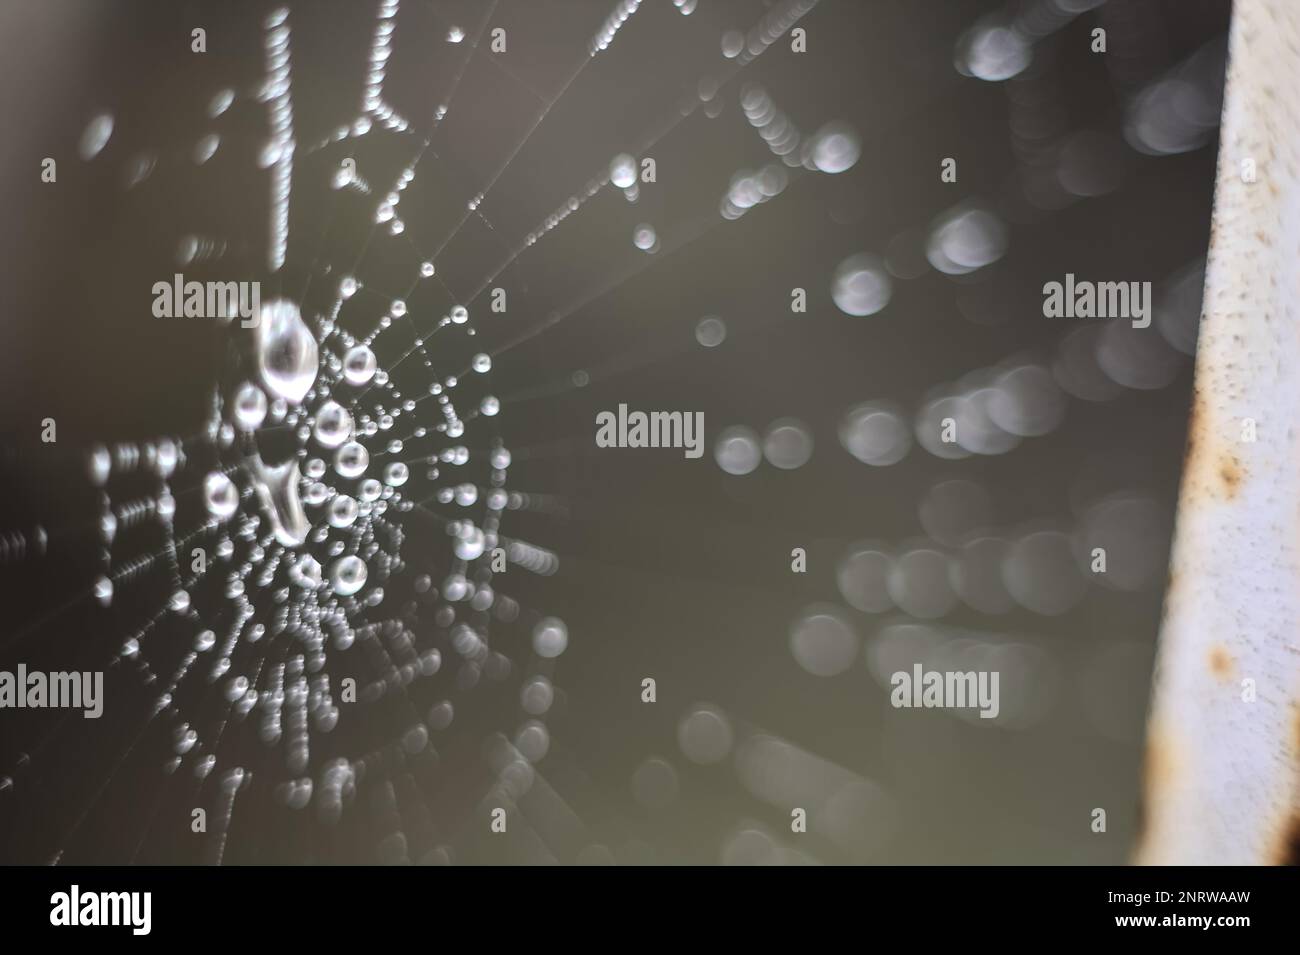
x=361, y=235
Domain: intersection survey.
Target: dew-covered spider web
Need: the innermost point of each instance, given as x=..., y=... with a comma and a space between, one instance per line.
x=328, y=546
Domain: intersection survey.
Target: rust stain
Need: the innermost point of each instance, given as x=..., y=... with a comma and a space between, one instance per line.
x=1159, y=771
x=1230, y=474
x=1195, y=422
x=1221, y=663
x=1211, y=469
x=1288, y=850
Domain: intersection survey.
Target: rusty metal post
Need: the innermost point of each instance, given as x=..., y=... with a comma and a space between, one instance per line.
x=1223, y=743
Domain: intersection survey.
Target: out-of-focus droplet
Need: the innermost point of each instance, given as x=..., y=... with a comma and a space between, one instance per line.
x=860, y=285
x=622, y=171
x=919, y=584
x=965, y=239
x=834, y=148
x=96, y=136
x=862, y=576
x=992, y=51
x=788, y=443
x=875, y=434
x=1026, y=401
x=250, y=406
x=824, y=641
x=705, y=735
x=737, y=450
x=220, y=495
x=711, y=331
x=643, y=237
x=550, y=637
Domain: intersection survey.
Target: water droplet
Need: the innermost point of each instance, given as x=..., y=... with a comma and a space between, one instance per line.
x=860, y=285
x=351, y=460
x=469, y=546
x=705, y=735
x=644, y=238
x=711, y=331
x=277, y=491
x=622, y=170
x=737, y=450
x=96, y=136
x=824, y=641
x=550, y=637
x=286, y=352
x=343, y=511
x=835, y=147
x=359, y=365
x=333, y=424
x=396, y=474
x=250, y=406
x=220, y=495
x=348, y=575
x=307, y=572
x=788, y=443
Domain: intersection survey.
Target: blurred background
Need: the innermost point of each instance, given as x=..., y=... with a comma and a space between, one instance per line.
x=775, y=170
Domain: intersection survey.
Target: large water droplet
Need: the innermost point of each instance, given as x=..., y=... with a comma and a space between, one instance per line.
x=343, y=511
x=351, y=460
x=347, y=575
x=285, y=350
x=395, y=474
x=333, y=424
x=277, y=490
x=359, y=365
